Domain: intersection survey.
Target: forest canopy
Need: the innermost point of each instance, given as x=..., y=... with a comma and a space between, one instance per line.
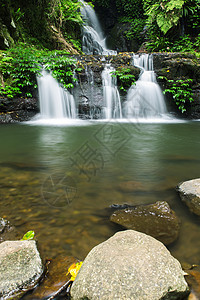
x=56, y=24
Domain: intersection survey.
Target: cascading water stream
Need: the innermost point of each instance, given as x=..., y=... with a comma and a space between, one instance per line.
x=145, y=99
x=55, y=102
x=112, y=104
x=93, y=40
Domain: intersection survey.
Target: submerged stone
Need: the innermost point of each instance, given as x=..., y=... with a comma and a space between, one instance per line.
x=7, y=231
x=131, y=186
x=55, y=281
x=193, y=280
x=157, y=220
x=130, y=265
x=20, y=267
x=3, y=224
x=190, y=194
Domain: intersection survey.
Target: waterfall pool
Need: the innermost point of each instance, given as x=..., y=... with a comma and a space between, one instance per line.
x=60, y=180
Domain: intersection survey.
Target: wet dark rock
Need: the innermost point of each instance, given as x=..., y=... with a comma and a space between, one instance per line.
x=120, y=206
x=157, y=220
x=88, y=93
x=55, y=281
x=190, y=194
x=193, y=280
x=130, y=265
x=17, y=110
x=3, y=224
x=117, y=39
x=20, y=267
x=7, y=231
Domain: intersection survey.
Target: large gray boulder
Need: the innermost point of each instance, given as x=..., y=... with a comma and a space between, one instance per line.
x=20, y=266
x=130, y=265
x=190, y=194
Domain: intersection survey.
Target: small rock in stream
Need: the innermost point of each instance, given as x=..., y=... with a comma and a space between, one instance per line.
x=157, y=220
x=3, y=224
x=190, y=194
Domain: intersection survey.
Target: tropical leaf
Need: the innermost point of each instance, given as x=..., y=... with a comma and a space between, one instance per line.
x=28, y=236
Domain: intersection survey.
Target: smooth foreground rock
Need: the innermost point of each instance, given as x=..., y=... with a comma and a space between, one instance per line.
x=130, y=265
x=20, y=266
x=157, y=220
x=190, y=194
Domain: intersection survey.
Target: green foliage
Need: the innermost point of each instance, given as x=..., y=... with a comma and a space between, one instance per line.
x=183, y=44
x=181, y=92
x=172, y=25
x=165, y=13
x=43, y=21
x=65, y=13
x=19, y=67
x=137, y=26
x=61, y=68
x=130, y=8
x=28, y=236
x=124, y=77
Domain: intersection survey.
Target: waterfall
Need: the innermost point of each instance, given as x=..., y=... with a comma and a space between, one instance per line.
x=93, y=40
x=55, y=102
x=145, y=99
x=112, y=103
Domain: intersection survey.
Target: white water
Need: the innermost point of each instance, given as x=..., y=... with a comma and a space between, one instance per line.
x=55, y=102
x=145, y=99
x=93, y=40
x=112, y=104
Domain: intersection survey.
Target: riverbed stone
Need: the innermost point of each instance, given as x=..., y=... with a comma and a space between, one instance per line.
x=3, y=224
x=157, y=220
x=56, y=279
x=130, y=265
x=20, y=267
x=193, y=280
x=189, y=192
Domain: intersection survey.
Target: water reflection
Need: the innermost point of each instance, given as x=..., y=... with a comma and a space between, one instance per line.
x=109, y=163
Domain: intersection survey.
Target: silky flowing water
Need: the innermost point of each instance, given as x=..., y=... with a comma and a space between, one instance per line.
x=60, y=181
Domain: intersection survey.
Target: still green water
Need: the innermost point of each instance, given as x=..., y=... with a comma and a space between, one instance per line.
x=60, y=180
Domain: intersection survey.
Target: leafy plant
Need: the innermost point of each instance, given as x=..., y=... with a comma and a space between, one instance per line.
x=172, y=25
x=181, y=92
x=19, y=67
x=124, y=77
x=28, y=236
x=165, y=13
x=137, y=26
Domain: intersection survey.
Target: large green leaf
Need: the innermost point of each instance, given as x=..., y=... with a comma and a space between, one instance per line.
x=163, y=22
x=174, y=4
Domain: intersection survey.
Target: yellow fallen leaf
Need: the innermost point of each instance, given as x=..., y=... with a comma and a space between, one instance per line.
x=74, y=269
